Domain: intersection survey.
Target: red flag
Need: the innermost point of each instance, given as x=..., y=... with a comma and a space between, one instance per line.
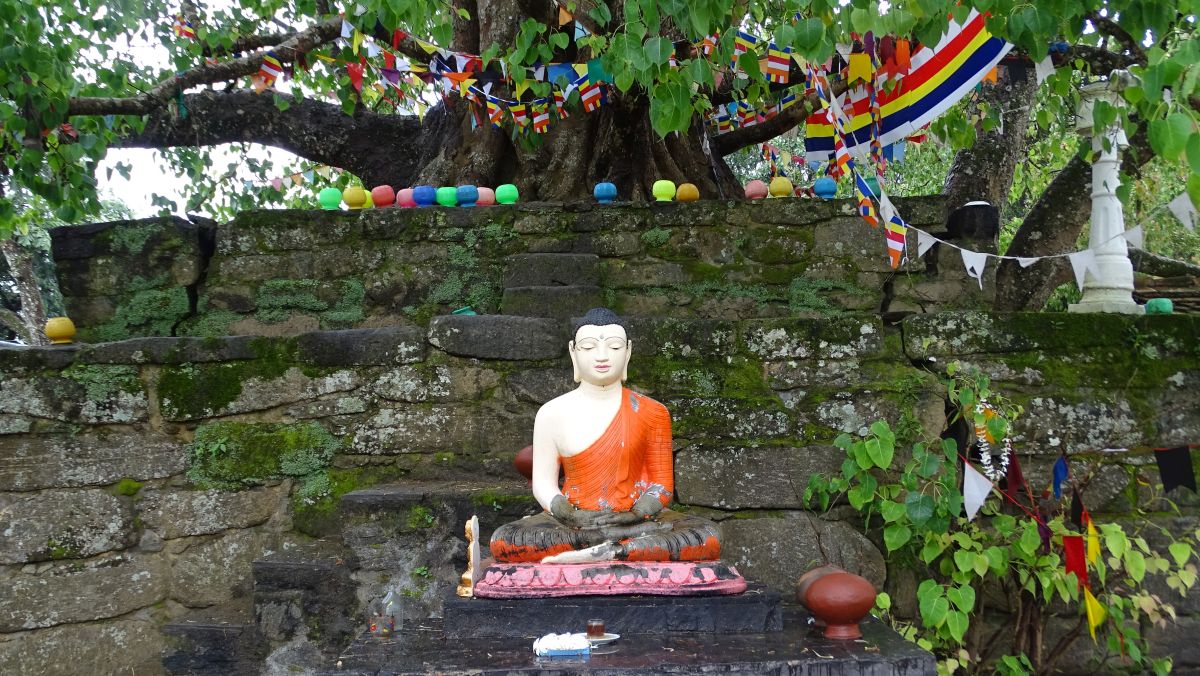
x=1075, y=561
x=355, y=71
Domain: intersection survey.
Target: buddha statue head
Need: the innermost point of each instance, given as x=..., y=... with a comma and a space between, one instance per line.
x=600, y=349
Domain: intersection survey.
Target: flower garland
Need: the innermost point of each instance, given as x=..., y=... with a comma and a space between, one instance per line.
x=983, y=411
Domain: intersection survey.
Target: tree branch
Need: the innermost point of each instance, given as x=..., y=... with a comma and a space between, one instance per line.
x=365, y=143
x=1099, y=61
x=1155, y=265
x=160, y=94
x=1110, y=28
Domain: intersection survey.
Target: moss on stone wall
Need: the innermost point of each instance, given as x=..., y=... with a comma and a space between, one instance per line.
x=152, y=310
x=103, y=382
x=233, y=455
x=202, y=390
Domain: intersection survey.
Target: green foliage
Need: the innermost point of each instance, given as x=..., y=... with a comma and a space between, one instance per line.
x=655, y=237
x=913, y=497
x=231, y=456
x=421, y=517
x=200, y=390
x=808, y=295
x=336, y=305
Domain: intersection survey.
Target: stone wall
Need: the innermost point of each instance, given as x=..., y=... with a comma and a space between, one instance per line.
x=141, y=478
x=288, y=272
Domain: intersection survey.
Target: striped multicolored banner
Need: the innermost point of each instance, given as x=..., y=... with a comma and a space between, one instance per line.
x=939, y=77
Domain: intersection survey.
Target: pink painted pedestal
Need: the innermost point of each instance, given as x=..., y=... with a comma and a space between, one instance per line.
x=654, y=578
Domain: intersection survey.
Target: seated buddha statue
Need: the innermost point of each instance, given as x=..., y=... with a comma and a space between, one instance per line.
x=614, y=447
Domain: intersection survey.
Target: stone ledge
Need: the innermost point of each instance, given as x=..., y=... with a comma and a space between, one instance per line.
x=498, y=336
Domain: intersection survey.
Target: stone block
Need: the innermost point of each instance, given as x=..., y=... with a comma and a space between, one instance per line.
x=1177, y=640
x=722, y=418
x=549, y=269
x=1082, y=421
x=848, y=337
x=609, y=243
x=964, y=333
x=776, y=551
x=437, y=383
x=260, y=394
x=676, y=338
x=337, y=405
x=174, y=514
x=418, y=428
x=540, y=385
x=498, y=336
x=778, y=245
x=559, y=302
x=93, y=394
x=18, y=359
x=87, y=459
x=739, y=477
x=15, y=424
x=213, y=569
x=125, y=646
x=629, y=274
x=847, y=239
x=363, y=347
x=81, y=591
x=169, y=350
x=62, y=524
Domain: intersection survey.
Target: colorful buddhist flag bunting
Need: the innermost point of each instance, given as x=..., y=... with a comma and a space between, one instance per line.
x=743, y=42
x=519, y=114
x=896, y=233
x=778, y=63
x=591, y=96
x=271, y=67
x=183, y=28
x=560, y=101
x=541, y=118
x=495, y=112
x=860, y=68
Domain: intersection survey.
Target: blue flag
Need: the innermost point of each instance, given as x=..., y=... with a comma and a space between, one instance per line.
x=1060, y=475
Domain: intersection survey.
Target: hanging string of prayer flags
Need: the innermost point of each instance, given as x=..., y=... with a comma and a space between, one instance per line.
x=743, y=42
x=271, y=67
x=779, y=62
x=1095, y=612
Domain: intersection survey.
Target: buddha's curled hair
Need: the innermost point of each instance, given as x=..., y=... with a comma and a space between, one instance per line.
x=597, y=316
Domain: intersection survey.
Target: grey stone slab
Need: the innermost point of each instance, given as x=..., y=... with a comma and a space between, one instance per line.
x=215, y=569
x=417, y=428
x=798, y=650
x=62, y=524
x=58, y=357
x=173, y=513
x=119, y=646
x=90, y=459
x=498, y=336
x=851, y=337
x=672, y=337
x=364, y=347
x=551, y=269
x=74, y=591
x=559, y=302
x=540, y=385
x=437, y=383
x=763, y=477
x=778, y=550
x=163, y=350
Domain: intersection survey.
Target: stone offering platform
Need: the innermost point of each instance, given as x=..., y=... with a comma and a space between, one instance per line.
x=797, y=650
x=658, y=578
x=756, y=611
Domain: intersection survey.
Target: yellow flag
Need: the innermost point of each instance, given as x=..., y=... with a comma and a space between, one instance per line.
x=429, y=48
x=564, y=17
x=358, y=38
x=860, y=68
x=1093, y=542
x=520, y=87
x=1095, y=612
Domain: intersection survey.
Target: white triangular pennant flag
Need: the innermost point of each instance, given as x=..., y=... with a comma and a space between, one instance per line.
x=1134, y=237
x=886, y=208
x=1184, y=210
x=373, y=50
x=1026, y=262
x=347, y=29
x=1081, y=263
x=975, y=490
x=974, y=262
x=924, y=242
x=1043, y=69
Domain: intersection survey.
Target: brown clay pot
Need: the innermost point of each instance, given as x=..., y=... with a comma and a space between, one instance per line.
x=841, y=600
x=806, y=580
x=524, y=462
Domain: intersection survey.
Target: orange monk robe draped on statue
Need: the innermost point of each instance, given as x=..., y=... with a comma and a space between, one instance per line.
x=632, y=456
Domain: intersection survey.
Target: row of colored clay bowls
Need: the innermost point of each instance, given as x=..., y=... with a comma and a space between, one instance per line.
x=356, y=197
x=780, y=186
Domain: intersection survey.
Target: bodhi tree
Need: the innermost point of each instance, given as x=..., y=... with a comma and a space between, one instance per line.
x=70, y=90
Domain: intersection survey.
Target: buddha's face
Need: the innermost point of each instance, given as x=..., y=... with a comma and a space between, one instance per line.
x=600, y=354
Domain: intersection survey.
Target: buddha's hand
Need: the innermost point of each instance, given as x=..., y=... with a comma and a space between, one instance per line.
x=571, y=516
x=647, y=507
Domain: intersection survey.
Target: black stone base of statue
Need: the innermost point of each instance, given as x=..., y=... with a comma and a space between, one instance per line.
x=756, y=610
x=798, y=649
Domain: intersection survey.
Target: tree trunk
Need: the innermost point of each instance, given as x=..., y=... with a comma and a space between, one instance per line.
x=32, y=317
